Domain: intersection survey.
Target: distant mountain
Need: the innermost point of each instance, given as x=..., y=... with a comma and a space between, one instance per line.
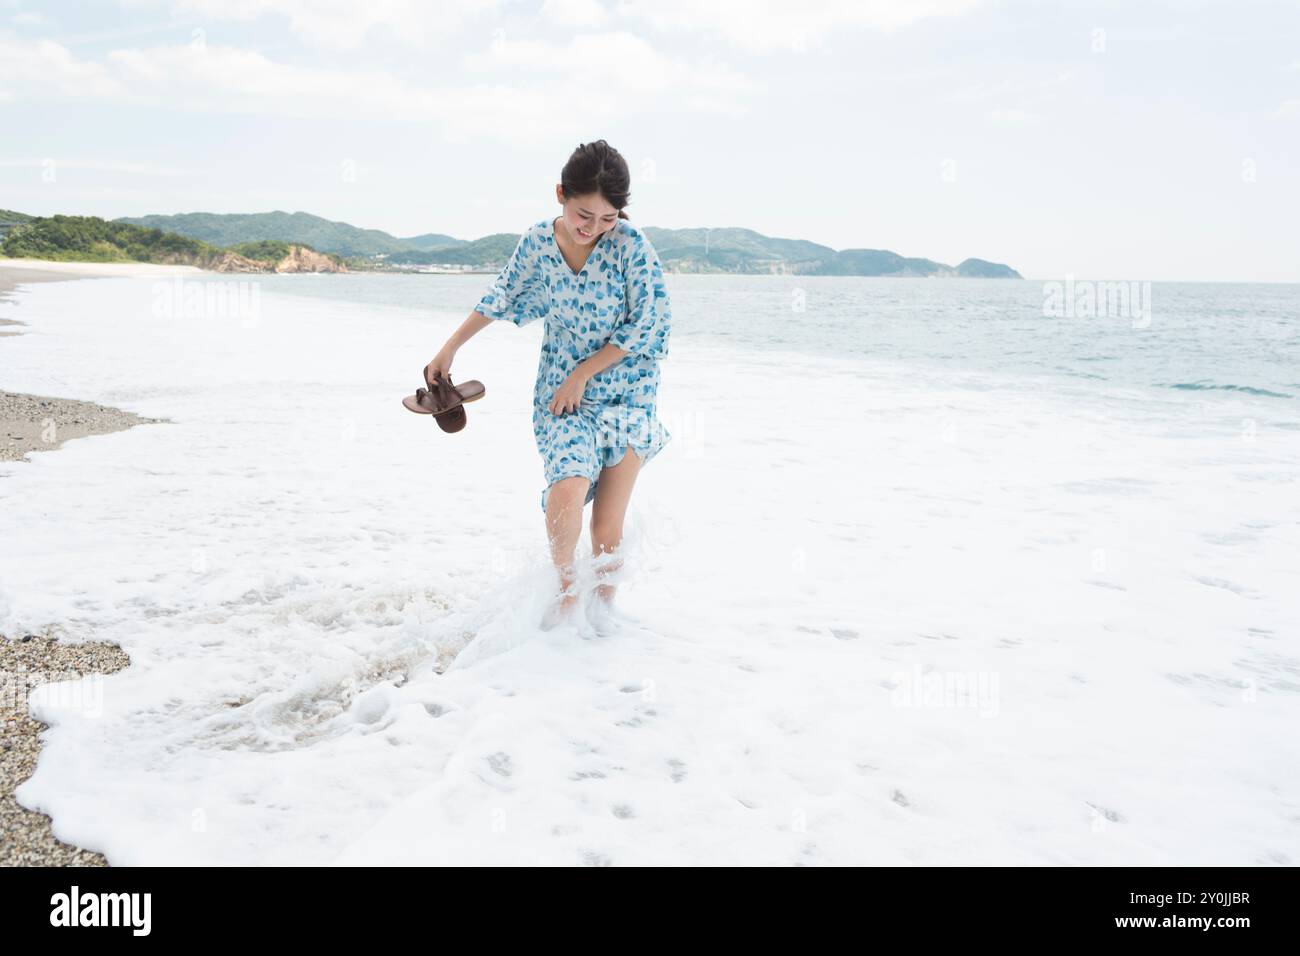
x=880, y=262
x=299, y=227
x=91, y=239
x=725, y=250
x=490, y=252
x=746, y=251
x=732, y=250
x=431, y=240
x=979, y=269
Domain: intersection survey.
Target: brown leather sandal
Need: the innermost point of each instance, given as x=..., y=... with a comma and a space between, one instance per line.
x=444, y=401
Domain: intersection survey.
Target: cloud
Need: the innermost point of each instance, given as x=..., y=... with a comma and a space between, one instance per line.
x=763, y=26
x=1289, y=107
x=45, y=67
x=1012, y=117
x=757, y=26
x=227, y=79
x=342, y=24
x=1031, y=94
x=201, y=77
x=588, y=14
x=977, y=92
x=614, y=64
x=134, y=169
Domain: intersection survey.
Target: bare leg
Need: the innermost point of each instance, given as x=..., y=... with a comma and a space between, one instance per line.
x=613, y=492
x=563, y=526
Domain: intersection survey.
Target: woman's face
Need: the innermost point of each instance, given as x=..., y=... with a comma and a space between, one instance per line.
x=587, y=218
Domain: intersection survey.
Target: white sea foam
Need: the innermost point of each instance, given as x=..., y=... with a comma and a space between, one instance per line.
x=882, y=614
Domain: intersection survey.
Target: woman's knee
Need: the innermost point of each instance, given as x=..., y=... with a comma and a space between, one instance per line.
x=606, y=532
x=564, y=492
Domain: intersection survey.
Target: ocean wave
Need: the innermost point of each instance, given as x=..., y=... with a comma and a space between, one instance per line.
x=1207, y=386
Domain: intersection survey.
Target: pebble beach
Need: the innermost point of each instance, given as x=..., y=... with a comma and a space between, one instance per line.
x=36, y=424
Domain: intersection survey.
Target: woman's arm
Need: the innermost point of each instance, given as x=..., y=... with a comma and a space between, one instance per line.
x=440, y=366
x=515, y=295
x=599, y=361
x=647, y=322
x=476, y=323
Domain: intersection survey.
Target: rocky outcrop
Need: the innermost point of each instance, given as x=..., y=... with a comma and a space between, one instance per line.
x=234, y=262
x=301, y=259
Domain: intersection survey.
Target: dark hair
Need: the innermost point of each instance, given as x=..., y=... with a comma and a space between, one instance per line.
x=597, y=168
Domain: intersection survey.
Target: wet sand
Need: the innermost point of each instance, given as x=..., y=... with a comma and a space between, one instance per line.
x=31, y=423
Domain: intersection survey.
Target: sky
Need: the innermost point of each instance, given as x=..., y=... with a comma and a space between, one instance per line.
x=1129, y=140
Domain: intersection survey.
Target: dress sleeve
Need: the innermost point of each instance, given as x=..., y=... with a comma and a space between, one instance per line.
x=517, y=293
x=648, y=319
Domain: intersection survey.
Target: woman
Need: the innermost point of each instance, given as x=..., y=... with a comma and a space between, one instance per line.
x=598, y=282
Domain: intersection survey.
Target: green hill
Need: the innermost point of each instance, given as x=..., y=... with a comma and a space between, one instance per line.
x=880, y=262
x=724, y=250
x=299, y=228
x=979, y=269
x=264, y=250
x=489, y=252
x=746, y=251
x=431, y=240
x=9, y=219
x=731, y=250
x=91, y=239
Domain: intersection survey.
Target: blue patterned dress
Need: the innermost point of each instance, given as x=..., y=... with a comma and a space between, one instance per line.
x=619, y=296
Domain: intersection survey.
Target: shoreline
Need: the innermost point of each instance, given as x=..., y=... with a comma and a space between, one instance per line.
x=32, y=423
x=26, y=662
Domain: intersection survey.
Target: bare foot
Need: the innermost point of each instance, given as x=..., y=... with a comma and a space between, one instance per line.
x=604, y=618
x=560, y=611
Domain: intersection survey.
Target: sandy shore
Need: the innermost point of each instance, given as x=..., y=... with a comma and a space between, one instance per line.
x=31, y=423
x=43, y=422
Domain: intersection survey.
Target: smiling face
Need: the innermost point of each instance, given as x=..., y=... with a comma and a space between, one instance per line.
x=586, y=218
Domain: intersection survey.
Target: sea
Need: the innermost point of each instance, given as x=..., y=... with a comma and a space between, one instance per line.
x=931, y=571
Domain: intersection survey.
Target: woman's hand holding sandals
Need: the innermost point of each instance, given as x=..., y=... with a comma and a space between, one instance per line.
x=440, y=365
